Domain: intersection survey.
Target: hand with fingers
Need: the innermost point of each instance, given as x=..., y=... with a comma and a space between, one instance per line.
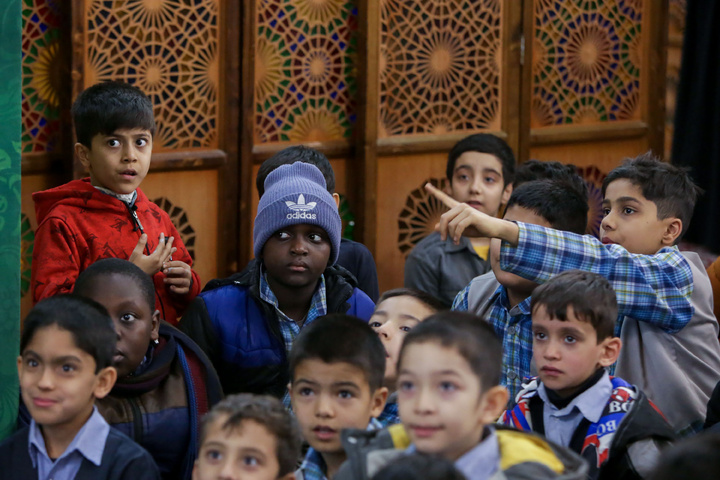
x=153, y=263
x=178, y=277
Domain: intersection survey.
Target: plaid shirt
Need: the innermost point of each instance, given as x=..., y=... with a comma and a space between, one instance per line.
x=313, y=466
x=390, y=414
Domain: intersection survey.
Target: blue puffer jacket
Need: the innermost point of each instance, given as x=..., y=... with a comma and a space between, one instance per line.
x=241, y=333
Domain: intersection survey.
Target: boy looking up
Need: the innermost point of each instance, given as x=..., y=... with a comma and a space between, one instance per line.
x=247, y=323
x=354, y=256
x=480, y=171
x=107, y=215
x=574, y=401
x=248, y=437
x=336, y=372
x=66, y=350
x=665, y=324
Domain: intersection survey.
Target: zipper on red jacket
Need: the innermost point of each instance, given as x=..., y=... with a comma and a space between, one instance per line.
x=136, y=222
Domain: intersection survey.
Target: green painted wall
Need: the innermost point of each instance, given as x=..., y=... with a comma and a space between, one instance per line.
x=10, y=73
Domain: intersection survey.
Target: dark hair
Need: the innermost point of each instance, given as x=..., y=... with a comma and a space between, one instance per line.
x=85, y=283
x=589, y=294
x=266, y=411
x=558, y=202
x=419, y=466
x=484, y=143
x=425, y=298
x=109, y=106
x=538, y=170
x=87, y=321
x=694, y=457
x=472, y=336
x=290, y=155
x=341, y=338
x=669, y=187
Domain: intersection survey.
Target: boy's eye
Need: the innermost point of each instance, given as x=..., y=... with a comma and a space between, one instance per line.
x=570, y=339
x=448, y=387
x=68, y=368
x=316, y=237
x=628, y=211
x=490, y=179
x=283, y=235
x=346, y=394
x=539, y=336
x=113, y=142
x=213, y=455
x=306, y=392
x=128, y=317
x=375, y=324
x=405, y=328
x=141, y=142
x=406, y=386
x=31, y=362
x=251, y=461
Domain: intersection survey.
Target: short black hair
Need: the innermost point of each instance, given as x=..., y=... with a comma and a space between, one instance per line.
x=483, y=143
x=87, y=321
x=266, y=411
x=425, y=298
x=693, y=457
x=419, y=466
x=473, y=338
x=85, y=283
x=290, y=155
x=341, y=338
x=558, y=202
x=109, y=106
x=539, y=170
x=589, y=294
x=669, y=187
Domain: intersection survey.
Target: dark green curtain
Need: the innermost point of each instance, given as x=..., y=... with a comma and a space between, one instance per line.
x=10, y=73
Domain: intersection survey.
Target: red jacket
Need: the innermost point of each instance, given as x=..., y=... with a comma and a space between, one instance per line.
x=78, y=224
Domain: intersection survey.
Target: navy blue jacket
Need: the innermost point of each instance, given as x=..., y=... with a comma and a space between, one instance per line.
x=241, y=334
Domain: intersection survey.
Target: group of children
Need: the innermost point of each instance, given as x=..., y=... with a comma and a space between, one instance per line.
x=564, y=355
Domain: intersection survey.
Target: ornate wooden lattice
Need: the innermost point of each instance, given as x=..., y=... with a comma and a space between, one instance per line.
x=593, y=179
x=586, y=61
x=179, y=217
x=440, y=66
x=167, y=48
x=418, y=218
x=27, y=242
x=305, y=70
x=42, y=63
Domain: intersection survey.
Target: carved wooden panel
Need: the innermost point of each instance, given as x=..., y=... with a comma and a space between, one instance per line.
x=676, y=30
x=169, y=49
x=305, y=58
x=440, y=66
x=42, y=65
x=586, y=61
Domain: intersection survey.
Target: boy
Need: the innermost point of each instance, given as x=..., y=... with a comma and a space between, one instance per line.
x=354, y=256
x=248, y=436
x=397, y=312
x=480, y=171
x=503, y=299
x=668, y=349
x=449, y=397
x=107, y=215
x=336, y=370
x=574, y=402
x=247, y=323
x=66, y=351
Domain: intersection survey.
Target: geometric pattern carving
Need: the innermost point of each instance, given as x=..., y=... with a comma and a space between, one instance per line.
x=305, y=56
x=418, y=218
x=593, y=179
x=42, y=70
x=440, y=66
x=168, y=49
x=179, y=218
x=678, y=12
x=586, y=61
x=27, y=241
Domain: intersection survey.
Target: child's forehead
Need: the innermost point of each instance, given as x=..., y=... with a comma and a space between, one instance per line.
x=624, y=188
x=125, y=132
x=316, y=370
x=54, y=343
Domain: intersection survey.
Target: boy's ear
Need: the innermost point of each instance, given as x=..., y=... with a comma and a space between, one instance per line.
x=155, y=322
x=378, y=401
x=82, y=153
x=610, y=351
x=105, y=381
x=673, y=229
x=495, y=403
x=336, y=197
x=506, y=193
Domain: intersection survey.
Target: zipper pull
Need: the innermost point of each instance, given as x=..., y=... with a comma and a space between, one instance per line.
x=136, y=219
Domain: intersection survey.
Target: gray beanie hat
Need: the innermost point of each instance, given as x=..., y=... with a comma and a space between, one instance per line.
x=295, y=194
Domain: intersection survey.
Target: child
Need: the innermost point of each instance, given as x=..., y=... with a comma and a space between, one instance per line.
x=665, y=324
x=449, y=397
x=396, y=313
x=66, y=351
x=574, y=401
x=165, y=382
x=247, y=323
x=354, y=256
x=336, y=371
x=248, y=436
x=107, y=215
x=480, y=171
x=503, y=299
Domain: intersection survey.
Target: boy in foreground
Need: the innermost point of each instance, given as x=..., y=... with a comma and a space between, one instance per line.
x=248, y=437
x=574, y=401
x=336, y=370
x=107, y=215
x=66, y=352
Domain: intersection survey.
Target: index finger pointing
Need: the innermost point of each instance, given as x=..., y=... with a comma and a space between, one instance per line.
x=446, y=199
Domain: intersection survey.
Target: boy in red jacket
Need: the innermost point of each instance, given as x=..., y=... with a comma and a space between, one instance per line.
x=107, y=215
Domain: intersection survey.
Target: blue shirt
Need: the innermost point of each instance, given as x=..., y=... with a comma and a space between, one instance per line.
x=89, y=443
x=560, y=424
x=390, y=414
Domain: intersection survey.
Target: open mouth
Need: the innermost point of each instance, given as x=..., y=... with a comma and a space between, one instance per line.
x=324, y=433
x=607, y=241
x=424, y=431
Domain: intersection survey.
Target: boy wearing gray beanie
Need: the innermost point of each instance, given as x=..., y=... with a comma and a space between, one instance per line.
x=247, y=323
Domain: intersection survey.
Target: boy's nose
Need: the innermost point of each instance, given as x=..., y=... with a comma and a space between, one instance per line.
x=552, y=351
x=129, y=154
x=607, y=222
x=324, y=408
x=228, y=471
x=425, y=402
x=299, y=247
x=46, y=380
